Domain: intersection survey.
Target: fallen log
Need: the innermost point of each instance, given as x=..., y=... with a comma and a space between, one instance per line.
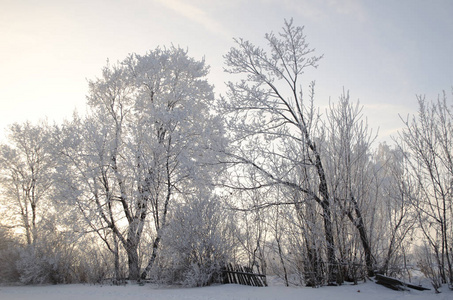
x=396, y=284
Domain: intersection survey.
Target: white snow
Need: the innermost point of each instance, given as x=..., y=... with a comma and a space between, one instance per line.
x=368, y=291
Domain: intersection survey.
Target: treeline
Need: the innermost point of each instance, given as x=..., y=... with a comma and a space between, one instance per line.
x=162, y=181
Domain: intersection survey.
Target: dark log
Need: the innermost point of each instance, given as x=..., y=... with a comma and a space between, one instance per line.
x=396, y=284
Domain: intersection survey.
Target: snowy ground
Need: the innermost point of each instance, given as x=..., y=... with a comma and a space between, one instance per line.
x=368, y=291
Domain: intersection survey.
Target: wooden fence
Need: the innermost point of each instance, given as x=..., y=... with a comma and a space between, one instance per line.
x=243, y=275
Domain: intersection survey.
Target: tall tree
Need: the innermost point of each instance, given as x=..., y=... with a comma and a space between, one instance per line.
x=149, y=136
x=274, y=126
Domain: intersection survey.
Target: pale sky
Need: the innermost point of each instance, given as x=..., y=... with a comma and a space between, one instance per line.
x=384, y=52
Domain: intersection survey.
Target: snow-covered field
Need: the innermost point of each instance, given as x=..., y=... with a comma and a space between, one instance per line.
x=368, y=291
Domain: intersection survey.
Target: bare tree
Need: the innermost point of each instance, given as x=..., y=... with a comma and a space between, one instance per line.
x=26, y=167
x=274, y=128
x=350, y=168
x=427, y=139
x=394, y=217
x=326, y=161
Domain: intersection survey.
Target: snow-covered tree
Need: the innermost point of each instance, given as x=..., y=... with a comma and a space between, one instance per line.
x=394, y=218
x=320, y=165
x=427, y=141
x=26, y=168
x=149, y=137
x=347, y=153
x=275, y=126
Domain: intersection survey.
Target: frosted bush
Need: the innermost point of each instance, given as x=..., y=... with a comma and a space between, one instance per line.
x=36, y=267
x=51, y=259
x=195, y=246
x=8, y=257
x=201, y=275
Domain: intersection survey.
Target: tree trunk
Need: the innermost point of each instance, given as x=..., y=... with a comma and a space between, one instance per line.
x=153, y=257
x=331, y=257
x=132, y=254
x=164, y=218
x=327, y=218
x=116, y=255
x=282, y=261
x=132, y=260
x=360, y=226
